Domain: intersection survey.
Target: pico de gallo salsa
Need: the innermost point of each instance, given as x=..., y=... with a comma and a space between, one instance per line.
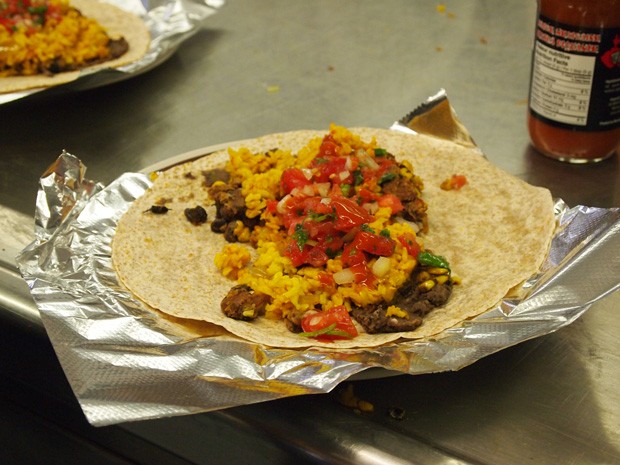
x=29, y=15
x=327, y=207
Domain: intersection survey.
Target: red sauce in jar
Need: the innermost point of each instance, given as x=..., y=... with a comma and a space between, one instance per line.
x=574, y=107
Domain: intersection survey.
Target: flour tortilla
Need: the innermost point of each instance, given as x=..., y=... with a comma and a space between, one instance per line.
x=116, y=21
x=495, y=232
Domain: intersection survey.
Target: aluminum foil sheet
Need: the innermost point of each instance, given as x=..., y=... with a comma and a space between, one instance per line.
x=126, y=362
x=170, y=23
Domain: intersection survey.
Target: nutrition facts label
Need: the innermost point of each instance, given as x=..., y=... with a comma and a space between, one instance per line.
x=561, y=84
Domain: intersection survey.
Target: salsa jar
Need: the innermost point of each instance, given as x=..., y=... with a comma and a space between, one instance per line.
x=574, y=99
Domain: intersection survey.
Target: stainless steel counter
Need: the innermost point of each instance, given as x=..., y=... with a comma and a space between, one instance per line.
x=271, y=66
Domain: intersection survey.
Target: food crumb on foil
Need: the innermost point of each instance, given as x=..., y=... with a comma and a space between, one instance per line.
x=346, y=396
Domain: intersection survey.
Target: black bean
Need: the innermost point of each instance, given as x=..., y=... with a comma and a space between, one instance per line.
x=196, y=215
x=158, y=209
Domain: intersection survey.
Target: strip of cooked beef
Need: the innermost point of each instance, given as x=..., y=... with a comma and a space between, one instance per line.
x=412, y=298
x=214, y=175
x=229, y=201
x=229, y=208
x=408, y=190
x=293, y=322
x=243, y=303
x=117, y=47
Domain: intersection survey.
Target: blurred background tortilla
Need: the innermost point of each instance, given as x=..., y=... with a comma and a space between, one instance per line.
x=116, y=21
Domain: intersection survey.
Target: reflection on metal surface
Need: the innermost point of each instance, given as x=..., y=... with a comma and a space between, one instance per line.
x=16, y=231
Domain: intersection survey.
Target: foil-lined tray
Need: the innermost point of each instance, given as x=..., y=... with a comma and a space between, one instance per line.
x=126, y=362
x=170, y=23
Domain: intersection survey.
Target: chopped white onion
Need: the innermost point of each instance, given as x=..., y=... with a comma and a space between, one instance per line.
x=326, y=200
x=367, y=160
x=295, y=191
x=381, y=267
x=307, y=173
x=343, y=175
x=371, y=207
x=281, y=207
x=315, y=319
x=344, y=276
x=349, y=164
x=308, y=190
x=323, y=189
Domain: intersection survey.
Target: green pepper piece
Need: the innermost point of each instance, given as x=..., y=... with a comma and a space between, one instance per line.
x=358, y=178
x=386, y=178
x=338, y=332
x=319, y=332
x=428, y=259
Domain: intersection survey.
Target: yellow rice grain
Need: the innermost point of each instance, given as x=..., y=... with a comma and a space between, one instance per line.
x=232, y=259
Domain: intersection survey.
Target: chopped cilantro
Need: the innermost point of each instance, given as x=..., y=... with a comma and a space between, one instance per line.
x=384, y=233
x=300, y=236
x=357, y=177
x=318, y=217
x=367, y=228
x=331, y=253
x=380, y=152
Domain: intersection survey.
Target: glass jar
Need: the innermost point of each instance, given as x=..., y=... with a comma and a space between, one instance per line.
x=574, y=101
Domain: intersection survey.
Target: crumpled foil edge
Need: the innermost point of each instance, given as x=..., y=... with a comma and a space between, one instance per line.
x=126, y=362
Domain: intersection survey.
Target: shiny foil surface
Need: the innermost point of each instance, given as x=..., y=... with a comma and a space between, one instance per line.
x=170, y=23
x=126, y=362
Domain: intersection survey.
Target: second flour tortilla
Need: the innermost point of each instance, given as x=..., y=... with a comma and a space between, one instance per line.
x=116, y=21
x=495, y=232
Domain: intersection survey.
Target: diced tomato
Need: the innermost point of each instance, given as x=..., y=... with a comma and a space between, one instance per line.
x=366, y=195
x=329, y=147
x=314, y=205
x=307, y=255
x=272, y=206
x=456, y=182
x=363, y=274
x=374, y=244
x=391, y=201
x=353, y=255
x=338, y=316
x=328, y=169
x=322, y=229
x=349, y=214
x=409, y=242
x=298, y=256
x=316, y=256
x=292, y=178
x=326, y=279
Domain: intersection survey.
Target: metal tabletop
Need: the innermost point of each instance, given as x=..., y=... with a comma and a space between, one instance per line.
x=277, y=65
